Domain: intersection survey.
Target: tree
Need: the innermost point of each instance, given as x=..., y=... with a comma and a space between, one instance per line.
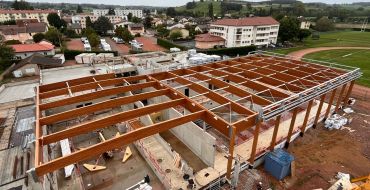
x=8, y=22
x=135, y=19
x=102, y=25
x=87, y=31
x=170, y=11
x=191, y=5
x=70, y=33
x=162, y=31
x=54, y=36
x=111, y=11
x=79, y=9
x=210, y=10
x=129, y=16
x=176, y=35
x=6, y=55
x=324, y=24
x=89, y=23
x=56, y=21
x=21, y=5
x=124, y=34
x=148, y=22
x=289, y=27
x=38, y=37
x=94, y=39
x=303, y=33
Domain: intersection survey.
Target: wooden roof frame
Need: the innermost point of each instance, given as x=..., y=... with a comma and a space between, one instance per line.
x=270, y=79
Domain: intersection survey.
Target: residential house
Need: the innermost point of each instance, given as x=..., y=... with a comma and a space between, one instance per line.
x=203, y=28
x=32, y=65
x=76, y=27
x=136, y=29
x=23, y=51
x=208, y=41
x=184, y=32
x=40, y=15
x=22, y=33
x=304, y=23
x=259, y=31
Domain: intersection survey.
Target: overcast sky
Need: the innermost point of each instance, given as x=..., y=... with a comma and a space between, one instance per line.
x=168, y=3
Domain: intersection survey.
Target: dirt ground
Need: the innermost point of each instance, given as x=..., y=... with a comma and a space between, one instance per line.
x=150, y=44
x=75, y=44
x=301, y=53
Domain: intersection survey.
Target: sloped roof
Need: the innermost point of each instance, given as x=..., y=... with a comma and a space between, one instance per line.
x=248, y=21
x=12, y=11
x=27, y=28
x=19, y=48
x=40, y=60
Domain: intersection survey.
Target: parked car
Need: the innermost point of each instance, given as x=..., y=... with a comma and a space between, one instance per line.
x=136, y=43
x=83, y=39
x=118, y=40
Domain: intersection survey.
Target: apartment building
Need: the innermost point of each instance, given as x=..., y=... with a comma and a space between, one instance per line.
x=40, y=15
x=119, y=12
x=259, y=31
x=81, y=19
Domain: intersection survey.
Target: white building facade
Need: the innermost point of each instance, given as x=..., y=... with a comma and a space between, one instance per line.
x=40, y=15
x=81, y=19
x=259, y=31
x=119, y=12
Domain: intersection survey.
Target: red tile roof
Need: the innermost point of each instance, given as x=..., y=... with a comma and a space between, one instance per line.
x=208, y=38
x=8, y=11
x=20, y=48
x=248, y=21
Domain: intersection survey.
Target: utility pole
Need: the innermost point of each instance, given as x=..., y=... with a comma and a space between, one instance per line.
x=364, y=25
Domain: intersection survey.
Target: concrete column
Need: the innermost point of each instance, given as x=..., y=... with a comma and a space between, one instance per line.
x=255, y=142
x=274, y=135
x=330, y=104
x=348, y=93
x=318, y=113
x=290, y=132
x=339, y=101
x=303, y=129
x=231, y=152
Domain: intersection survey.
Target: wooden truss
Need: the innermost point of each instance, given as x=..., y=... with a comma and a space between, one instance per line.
x=260, y=82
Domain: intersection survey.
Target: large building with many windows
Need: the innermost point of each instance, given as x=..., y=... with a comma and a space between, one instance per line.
x=40, y=15
x=119, y=12
x=259, y=31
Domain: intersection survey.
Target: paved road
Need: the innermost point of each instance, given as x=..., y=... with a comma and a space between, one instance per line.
x=301, y=53
x=122, y=49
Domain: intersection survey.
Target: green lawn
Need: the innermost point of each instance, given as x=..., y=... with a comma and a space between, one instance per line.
x=333, y=39
x=355, y=58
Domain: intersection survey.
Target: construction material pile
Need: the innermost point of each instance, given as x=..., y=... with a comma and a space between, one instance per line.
x=336, y=122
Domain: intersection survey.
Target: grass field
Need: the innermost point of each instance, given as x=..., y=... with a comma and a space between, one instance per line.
x=355, y=58
x=333, y=39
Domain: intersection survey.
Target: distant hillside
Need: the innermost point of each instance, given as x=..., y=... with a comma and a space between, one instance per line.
x=200, y=8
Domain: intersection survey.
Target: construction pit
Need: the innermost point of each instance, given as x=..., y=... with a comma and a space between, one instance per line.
x=186, y=128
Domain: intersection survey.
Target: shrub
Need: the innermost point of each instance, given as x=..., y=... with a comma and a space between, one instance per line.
x=230, y=51
x=12, y=42
x=168, y=44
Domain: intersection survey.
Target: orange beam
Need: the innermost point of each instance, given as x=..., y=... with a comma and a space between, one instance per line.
x=255, y=142
x=291, y=128
x=339, y=101
x=115, y=143
x=231, y=153
x=318, y=113
x=274, y=135
x=348, y=93
x=305, y=121
x=107, y=121
x=38, y=131
x=330, y=104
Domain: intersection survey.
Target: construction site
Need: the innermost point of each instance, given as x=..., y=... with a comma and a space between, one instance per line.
x=158, y=121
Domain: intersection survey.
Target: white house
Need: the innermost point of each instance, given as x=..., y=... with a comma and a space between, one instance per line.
x=304, y=23
x=23, y=51
x=40, y=15
x=259, y=31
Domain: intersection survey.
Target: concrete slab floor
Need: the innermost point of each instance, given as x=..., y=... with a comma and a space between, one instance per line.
x=17, y=92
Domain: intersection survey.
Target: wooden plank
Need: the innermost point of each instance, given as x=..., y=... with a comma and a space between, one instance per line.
x=339, y=101
x=94, y=168
x=115, y=143
x=127, y=154
x=291, y=128
x=318, y=113
x=107, y=121
x=231, y=152
x=349, y=91
x=274, y=135
x=255, y=142
x=304, y=125
x=330, y=103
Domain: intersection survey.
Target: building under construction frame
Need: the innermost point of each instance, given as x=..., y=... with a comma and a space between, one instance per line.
x=263, y=86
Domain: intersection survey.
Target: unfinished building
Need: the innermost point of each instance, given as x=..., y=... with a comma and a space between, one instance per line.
x=228, y=114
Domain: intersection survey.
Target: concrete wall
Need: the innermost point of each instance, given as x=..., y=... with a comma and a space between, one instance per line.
x=199, y=142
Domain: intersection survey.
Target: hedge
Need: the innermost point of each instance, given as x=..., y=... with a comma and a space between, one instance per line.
x=229, y=51
x=168, y=44
x=71, y=54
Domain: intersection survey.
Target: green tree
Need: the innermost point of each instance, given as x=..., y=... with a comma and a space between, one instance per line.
x=324, y=24
x=148, y=22
x=79, y=9
x=129, y=16
x=87, y=31
x=38, y=37
x=89, y=23
x=162, y=31
x=210, y=10
x=111, y=11
x=176, y=35
x=70, y=33
x=6, y=55
x=170, y=11
x=21, y=5
x=12, y=42
x=56, y=21
x=94, y=40
x=135, y=19
x=54, y=36
x=102, y=25
x=8, y=22
x=289, y=27
x=303, y=33
x=124, y=34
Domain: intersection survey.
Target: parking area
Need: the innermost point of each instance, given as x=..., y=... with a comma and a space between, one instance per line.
x=75, y=44
x=122, y=49
x=150, y=44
